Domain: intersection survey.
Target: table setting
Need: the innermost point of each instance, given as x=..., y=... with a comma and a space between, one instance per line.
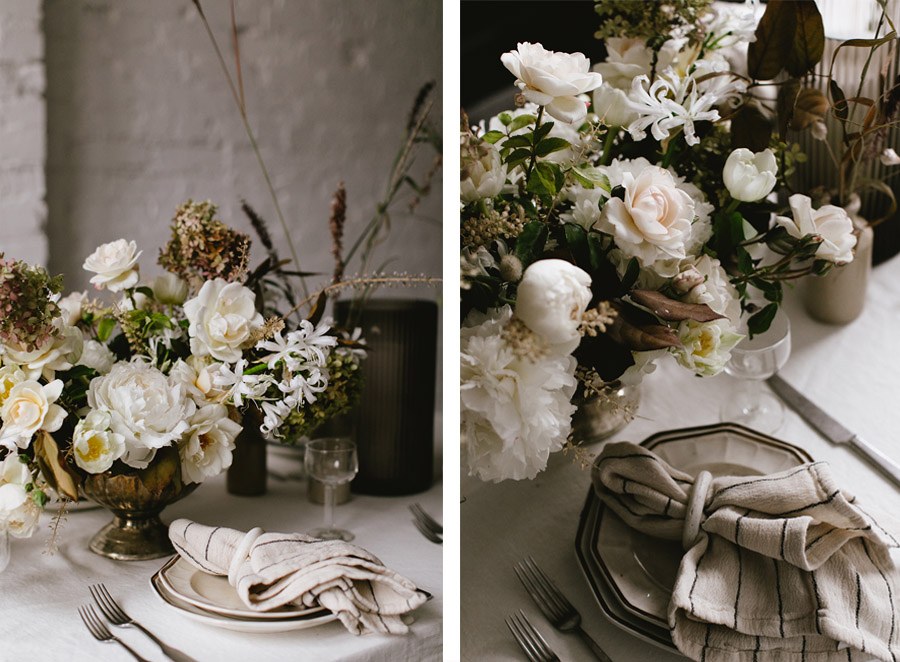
x=669, y=450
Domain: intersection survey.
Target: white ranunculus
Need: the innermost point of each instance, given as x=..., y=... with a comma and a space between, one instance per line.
x=703, y=280
x=71, y=307
x=147, y=408
x=28, y=408
x=485, y=176
x=10, y=375
x=705, y=346
x=831, y=223
x=115, y=265
x=551, y=299
x=97, y=356
x=513, y=411
x=94, y=446
x=169, y=289
x=654, y=220
x=553, y=80
x=750, y=177
x=210, y=442
x=18, y=511
x=61, y=352
x=222, y=318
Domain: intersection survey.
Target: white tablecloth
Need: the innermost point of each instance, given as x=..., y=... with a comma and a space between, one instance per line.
x=852, y=371
x=40, y=594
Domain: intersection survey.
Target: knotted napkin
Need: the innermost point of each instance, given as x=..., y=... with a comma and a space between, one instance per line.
x=270, y=570
x=785, y=567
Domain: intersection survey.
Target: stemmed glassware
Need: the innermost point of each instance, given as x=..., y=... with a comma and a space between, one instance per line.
x=332, y=461
x=754, y=360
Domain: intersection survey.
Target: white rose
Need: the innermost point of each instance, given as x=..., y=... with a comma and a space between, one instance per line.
x=97, y=356
x=485, y=176
x=94, y=446
x=585, y=205
x=552, y=79
x=612, y=106
x=28, y=408
x=705, y=281
x=831, y=223
x=169, y=289
x=653, y=221
x=115, y=264
x=210, y=442
x=551, y=299
x=18, y=511
x=750, y=177
x=147, y=408
x=60, y=353
x=71, y=307
x=222, y=318
x=705, y=346
x=10, y=375
x=199, y=379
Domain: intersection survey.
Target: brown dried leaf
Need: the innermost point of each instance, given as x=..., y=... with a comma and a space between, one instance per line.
x=811, y=106
x=54, y=467
x=809, y=38
x=673, y=310
x=649, y=336
x=318, y=309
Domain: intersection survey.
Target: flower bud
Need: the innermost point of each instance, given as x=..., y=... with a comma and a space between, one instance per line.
x=170, y=289
x=510, y=268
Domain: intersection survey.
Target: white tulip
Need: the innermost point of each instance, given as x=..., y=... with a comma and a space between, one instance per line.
x=115, y=264
x=169, y=289
x=750, y=177
x=551, y=299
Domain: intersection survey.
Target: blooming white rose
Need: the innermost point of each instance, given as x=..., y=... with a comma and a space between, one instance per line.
x=94, y=446
x=750, y=177
x=71, y=307
x=705, y=346
x=210, y=442
x=551, y=298
x=222, y=318
x=97, y=356
x=199, y=379
x=653, y=221
x=703, y=280
x=514, y=411
x=115, y=264
x=61, y=352
x=18, y=511
x=27, y=408
x=10, y=375
x=147, y=408
x=831, y=223
x=485, y=176
x=169, y=289
x=552, y=79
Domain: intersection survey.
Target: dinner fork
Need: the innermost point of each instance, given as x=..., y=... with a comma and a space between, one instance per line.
x=554, y=605
x=101, y=633
x=530, y=639
x=117, y=616
x=426, y=524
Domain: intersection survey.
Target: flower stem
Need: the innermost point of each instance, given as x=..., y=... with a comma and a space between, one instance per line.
x=607, y=146
x=537, y=125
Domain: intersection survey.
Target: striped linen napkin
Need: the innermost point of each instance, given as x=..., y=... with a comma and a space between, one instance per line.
x=270, y=570
x=786, y=567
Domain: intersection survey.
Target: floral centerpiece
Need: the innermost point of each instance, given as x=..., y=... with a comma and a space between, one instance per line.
x=620, y=213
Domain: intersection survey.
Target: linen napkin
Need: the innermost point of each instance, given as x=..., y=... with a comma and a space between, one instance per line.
x=786, y=567
x=273, y=569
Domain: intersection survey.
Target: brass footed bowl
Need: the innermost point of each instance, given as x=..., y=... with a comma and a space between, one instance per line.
x=136, y=497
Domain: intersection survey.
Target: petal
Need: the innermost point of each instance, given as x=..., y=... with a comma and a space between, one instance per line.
x=568, y=109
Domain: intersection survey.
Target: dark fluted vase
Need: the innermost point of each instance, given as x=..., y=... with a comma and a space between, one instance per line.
x=248, y=471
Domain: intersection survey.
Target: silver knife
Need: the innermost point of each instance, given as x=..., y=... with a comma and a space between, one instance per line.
x=834, y=431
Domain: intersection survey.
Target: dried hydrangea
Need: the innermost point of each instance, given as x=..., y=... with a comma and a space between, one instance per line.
x=203, y=248
x=653, y=21
x=27, y=305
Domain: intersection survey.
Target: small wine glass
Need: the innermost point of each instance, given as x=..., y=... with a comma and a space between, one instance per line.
x=331, y=460
x=752, y=361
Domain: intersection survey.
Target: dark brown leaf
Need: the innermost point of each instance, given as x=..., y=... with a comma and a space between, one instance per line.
x=673, y=310
x=787, y=98
x=318, y=309
x=809, y=38
x=53, y=466
x=648, y=336
x=750, y=128
x=774, y=38
x=811, y=106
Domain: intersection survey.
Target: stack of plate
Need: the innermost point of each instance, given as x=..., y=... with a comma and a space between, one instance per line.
x=210, y=599
x=632, y=574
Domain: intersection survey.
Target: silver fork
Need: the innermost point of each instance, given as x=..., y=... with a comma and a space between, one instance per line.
x=101, y=633
x=426, y=525
x=554, y=605
x=428, y=533
x=117, y=616
x=530, y=639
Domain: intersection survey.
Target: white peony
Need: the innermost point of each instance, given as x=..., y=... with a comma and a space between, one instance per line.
x=703, y=280
x=27, y=408
x=485, y=176
x=115, y=265
x=94, y=446
x=71, y=307
x=61, y=352
x=551, y=298
x=210, y=442
x=750, y=176
x=169, y=289
x=147, y=408
x=831, y=223
x=222, y=319
x=18, y=511
x=97, y=356
x=705, y=346
x=552, y=79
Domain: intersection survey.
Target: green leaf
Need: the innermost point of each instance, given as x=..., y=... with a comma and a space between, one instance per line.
x=161, y=320
x=577, y=240
x=761, y=321
x=809, y=38
x=505, y=118
x=541, y=132
x=595, y=246
x=593, y=175
x=530, y=242
x=517, y=158
x=546, y=179
x=105, y=328
x=518, y=141
x=519, y=122
x=550, y=145
x=493, y=136
x=632, y=271
x=146, y=291
x=784, y=104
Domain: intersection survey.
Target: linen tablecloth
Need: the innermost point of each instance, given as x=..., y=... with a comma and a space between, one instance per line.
x=852, y=371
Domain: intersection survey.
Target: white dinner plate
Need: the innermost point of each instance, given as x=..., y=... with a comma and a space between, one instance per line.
x=213, y=593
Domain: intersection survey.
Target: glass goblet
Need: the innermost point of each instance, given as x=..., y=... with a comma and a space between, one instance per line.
x=752, y=361
x=332, y=461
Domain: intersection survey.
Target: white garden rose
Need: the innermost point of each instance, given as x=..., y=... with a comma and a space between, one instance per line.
x=627, y=58
x=94, y=446
x=18, y=512
x=222, y=319
x=585, y=205
x=71, y=307
x=115, y=265
x=97, y=356
x=750, y=176
x=653, y=221
x=169, y=289
x=10, y=375
x=28, y=408
x=705, y=346
x=514, y=410
x=703, y=280
x=485, y=176
x=829, y=222
x=551, y=298
x=210, y=442
x=553, y=80
x=147, y=408
x=199, y=379
x=61, y=352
